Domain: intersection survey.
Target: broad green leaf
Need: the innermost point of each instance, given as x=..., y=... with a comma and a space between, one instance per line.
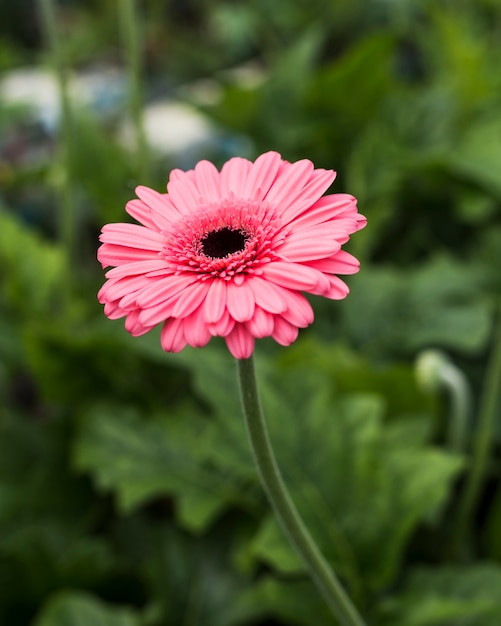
x=449, y=596
x=203, y=586
x=140, y=459
x=478, y=155
x=362, y=487
x=31, y=269
x=73, y=608
x=293, y=602
x=401, y=311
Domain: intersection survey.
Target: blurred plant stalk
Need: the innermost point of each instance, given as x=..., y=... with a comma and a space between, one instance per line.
x=483, y=442
x=67, y=206
x=435, y=370
x=131, y=37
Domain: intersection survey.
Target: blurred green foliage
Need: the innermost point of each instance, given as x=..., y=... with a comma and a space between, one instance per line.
x=128, y=495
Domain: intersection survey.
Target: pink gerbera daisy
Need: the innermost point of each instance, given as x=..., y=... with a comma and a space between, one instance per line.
x=228, y=253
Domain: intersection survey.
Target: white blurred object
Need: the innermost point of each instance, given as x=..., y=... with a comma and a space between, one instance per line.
x=36, y=88
x=172, y=128
x=103, y=89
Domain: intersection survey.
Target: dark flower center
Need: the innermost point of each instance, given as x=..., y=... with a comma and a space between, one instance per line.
x=221, y=243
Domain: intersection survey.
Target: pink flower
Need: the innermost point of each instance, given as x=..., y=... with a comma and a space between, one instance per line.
x=228, y=253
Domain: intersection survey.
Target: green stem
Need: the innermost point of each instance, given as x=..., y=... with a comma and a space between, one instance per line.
x=482, y=446
x=457, y=384
x=285, y=510
x=131, y=38
x=67, y=215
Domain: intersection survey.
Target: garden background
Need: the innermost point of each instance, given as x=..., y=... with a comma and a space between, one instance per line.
x=128, y=495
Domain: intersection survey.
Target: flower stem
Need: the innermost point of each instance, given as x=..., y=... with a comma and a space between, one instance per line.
x=285, y=510
x=482, y=446
x=131, y=39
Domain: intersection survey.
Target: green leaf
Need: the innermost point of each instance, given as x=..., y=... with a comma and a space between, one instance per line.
x=362, y=487
x=448, y=596
x=31, y=269
x=440, y=304
x=71, y=608
x=202, y=583
x=294, y=602
x=477, y=157
x=141, y=459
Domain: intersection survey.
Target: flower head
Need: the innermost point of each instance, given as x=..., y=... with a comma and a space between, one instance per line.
x=228, y=253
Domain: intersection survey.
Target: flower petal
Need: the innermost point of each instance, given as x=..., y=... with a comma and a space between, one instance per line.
x=109, y=254
x=162, y=289
x=261, y=176
x=308, y=244
x=207, y=179
x=284, y=333
x=240, y=301
x=289, y=184
x=267, y=295
x=233, y=176
x=215, y=301
x=320, y=181
x=223, y=326
x=337, y=289
x=299, y=312
x=240, y=342
x=195, y=331
x=140, y=212
x=261, y=324
x=132, y=236
x=184, y=194
x=340, y=263
x=140, y=267
x=190, y=299
x=325, y=209
x=172, y=335
x=295, y=276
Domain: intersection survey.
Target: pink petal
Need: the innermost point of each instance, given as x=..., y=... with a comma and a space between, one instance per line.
x=163, y=211
x=284, y=333
x=337, y=290
x=261, y=324
x=308, y=244
x=131, y=321
x=340, y=263
x=113, y=311
x=289, y=184
x=261, y=176
x=132, y=236
x=140, y=212
x=109, y=254
x=116, y=288
x=233, y=177
x=267, y=295
x=311, y=192
x=158, y=313
x=164, y=288
x=140, y=267
x=190, y=299
x=215, y=302
x=240, y=301
x=295, y=276
x=195, y=330
x=240, y=342
x=223, y=326
x=299, y=312
x=172, y=336
x=325, y=209
x=207, y=179
x=184, y=194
